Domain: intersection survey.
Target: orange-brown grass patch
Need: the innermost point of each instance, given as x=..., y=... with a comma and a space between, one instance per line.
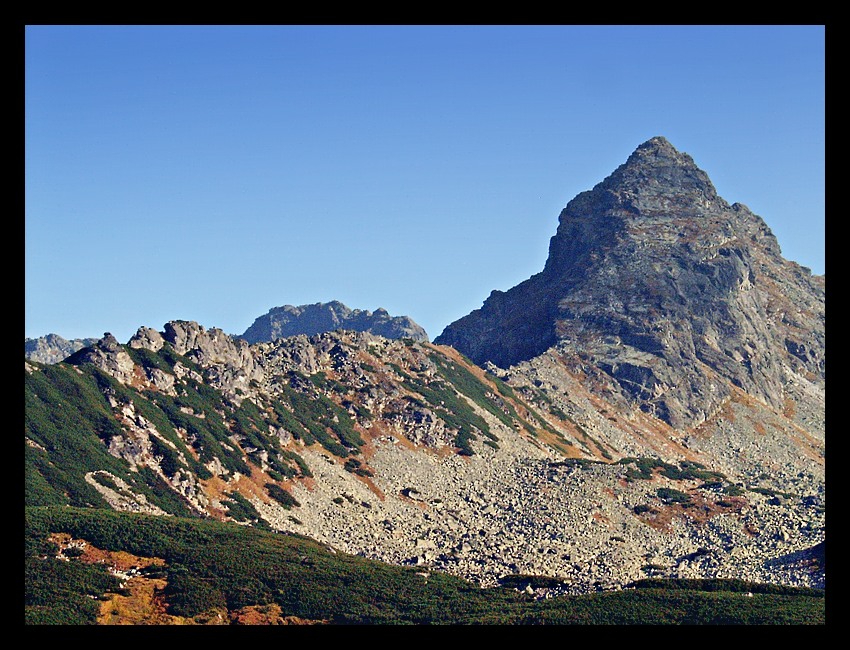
x=267, y=615
x=216, y=488
x=138, y=379
x=699, y=511
x=600, y=518
x=372, y=487
x=142, y=602
x=145, y=604
x=120, y=560
x=553, y=441
x=727, y=411
x=789, y=409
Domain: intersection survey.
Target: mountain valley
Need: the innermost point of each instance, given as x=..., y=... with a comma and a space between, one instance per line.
x=650, y=405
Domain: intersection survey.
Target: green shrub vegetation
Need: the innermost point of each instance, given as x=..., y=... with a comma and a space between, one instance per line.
x=64, y=593
x=733, y=490
x=642, y=469
x=67, y=420
x=468, y=384
x=725, y=585
x=319, y=418
x=280, y=495
x=770, y=492
x=160, y=421
x=106, y=481
x=159, y=493
x=250, y=425
x=441, y=396
x=671, y=495
x=521, y=581
x=169, y=460
x=208, y=435
x=356, y=467
x=240, y=509
x=210, y=565
x=322, y=381
x=149, y=359
x=576, y=462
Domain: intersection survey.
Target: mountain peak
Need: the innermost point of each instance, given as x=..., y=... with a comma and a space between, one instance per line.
x=657, y=177
x=662, y=286
x=656, y=153
x=658, y=144
x=320, y=317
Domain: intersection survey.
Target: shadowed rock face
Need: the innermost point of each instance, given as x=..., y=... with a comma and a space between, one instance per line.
x=670, y=291
x=318, y=318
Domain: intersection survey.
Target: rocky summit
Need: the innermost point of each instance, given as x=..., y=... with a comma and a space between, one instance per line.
x=666, y=294
x=651, y=404
x=327, y=317
x=53, y=348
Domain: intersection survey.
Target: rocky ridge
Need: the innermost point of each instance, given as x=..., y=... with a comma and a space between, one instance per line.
x=52, y=348
x=563, y=504
x=314, y=319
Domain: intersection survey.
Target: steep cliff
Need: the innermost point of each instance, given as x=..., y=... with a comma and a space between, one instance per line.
x=668, y=293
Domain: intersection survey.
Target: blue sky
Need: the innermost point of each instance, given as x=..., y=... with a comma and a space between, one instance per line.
x=210, y=173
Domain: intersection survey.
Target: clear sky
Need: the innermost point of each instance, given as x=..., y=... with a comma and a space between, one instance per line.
x=210, y=173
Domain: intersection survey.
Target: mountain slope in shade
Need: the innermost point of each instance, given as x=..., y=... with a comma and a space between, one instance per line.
x=664, y=292
x=320, y=317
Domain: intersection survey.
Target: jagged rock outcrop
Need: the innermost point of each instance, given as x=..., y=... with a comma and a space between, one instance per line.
x=230, y=362
x=663, y=290
x=327, y=317
x=108, y=355
x=147, y=338
x=53, y=348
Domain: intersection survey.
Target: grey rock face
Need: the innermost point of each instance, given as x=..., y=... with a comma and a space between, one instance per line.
x=318, y=318
x=108, y=355
x=147, y=338
x=53, y=348
x=231, y=364
x=668, y=290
